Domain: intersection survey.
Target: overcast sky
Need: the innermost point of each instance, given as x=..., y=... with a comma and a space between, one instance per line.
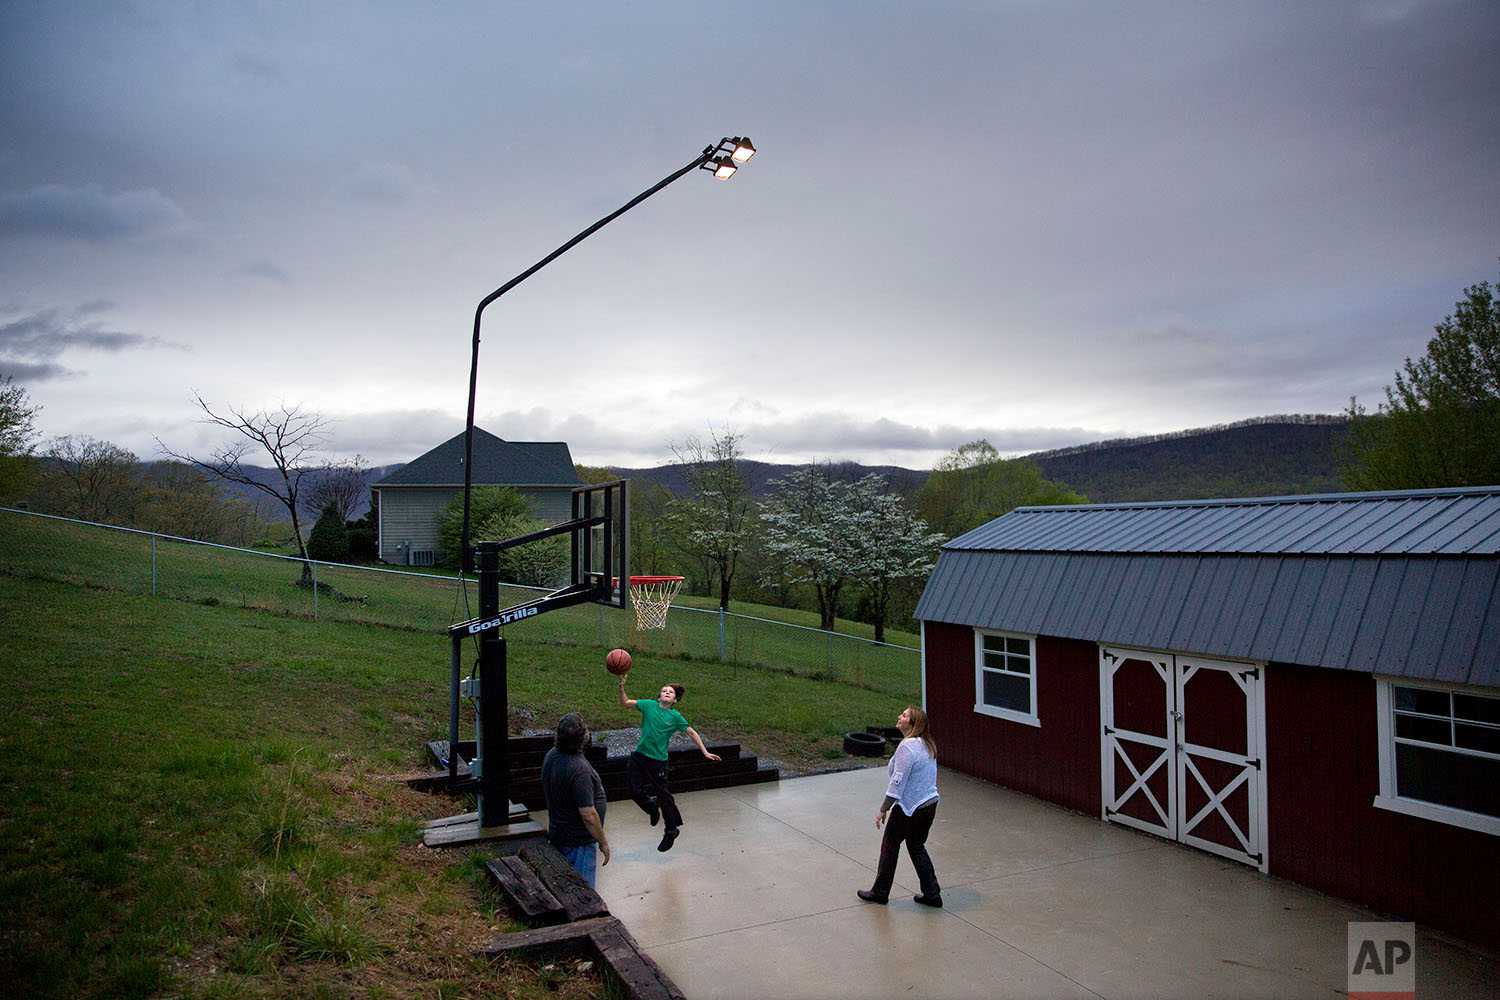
x=1032, y=221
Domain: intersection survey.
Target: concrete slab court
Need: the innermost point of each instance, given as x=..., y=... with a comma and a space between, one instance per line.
x=756, y=899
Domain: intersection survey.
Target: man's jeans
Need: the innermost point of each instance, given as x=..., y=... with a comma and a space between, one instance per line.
x=582, y=859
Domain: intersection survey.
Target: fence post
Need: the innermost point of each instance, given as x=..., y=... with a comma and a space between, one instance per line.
x=830, y=654
x=721, y=636
x=153, y=565
x=315, y=591
x=601, y=625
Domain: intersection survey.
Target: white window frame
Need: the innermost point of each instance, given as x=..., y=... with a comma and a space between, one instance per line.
x=1387, y=798
x=1026, y=718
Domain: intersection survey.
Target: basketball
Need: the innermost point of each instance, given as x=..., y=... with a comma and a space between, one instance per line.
x=617, y=662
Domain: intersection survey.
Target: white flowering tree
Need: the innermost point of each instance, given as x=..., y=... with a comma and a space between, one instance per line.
x=828, y=532
x=893, y=544
x=810, y=531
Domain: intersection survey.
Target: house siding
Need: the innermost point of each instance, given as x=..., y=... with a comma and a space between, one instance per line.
x=409, y=515
x=408, y=520
x=1322, y=775
x=1058, y=761
x=551, y=505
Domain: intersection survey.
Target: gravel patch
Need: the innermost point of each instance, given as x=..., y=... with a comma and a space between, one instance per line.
x=622, y=742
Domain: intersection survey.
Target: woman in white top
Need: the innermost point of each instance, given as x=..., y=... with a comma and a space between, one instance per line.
x=913, y=790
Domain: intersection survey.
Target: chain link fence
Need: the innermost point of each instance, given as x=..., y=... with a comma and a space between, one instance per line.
x=41, y=546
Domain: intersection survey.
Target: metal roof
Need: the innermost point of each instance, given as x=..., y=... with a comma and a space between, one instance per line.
x=496, y=462
x=1434, y=522
x=1406, y=583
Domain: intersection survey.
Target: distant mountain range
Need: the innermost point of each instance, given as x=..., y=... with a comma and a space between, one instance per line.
x=1265, y=456
x=761, y=474
x=271, y=510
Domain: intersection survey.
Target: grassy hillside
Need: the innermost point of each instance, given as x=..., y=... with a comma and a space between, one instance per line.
x=204, y=801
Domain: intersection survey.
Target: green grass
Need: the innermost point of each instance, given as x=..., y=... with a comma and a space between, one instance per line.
x=805, y=619
x=90, y=556
x=203, y=800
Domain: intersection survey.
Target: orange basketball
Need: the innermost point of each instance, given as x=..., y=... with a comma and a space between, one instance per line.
x=617, y=662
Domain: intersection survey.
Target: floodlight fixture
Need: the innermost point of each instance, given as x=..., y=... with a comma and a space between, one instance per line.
x=722, y=159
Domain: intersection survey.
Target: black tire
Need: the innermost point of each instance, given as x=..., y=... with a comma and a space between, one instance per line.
x=864, y=744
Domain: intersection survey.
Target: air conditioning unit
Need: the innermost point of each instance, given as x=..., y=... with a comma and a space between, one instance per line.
x=419, y=557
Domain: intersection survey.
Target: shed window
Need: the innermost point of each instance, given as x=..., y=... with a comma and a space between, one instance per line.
x=1440, y=753
x=1005, y=676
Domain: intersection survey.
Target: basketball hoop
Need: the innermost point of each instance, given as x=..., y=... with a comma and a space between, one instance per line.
x=652, y=596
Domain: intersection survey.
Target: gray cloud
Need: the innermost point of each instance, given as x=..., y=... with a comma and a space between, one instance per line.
x=30, y=344
x=388, y=437
x=25, y=371
x=387, y=182
x=88, y=213
x=267, y=270
x=1035, y=223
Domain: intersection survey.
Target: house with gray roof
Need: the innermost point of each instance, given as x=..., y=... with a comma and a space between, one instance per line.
x=1308, y=685
x=413, y=497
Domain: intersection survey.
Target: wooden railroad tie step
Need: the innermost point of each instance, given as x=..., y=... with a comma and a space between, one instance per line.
x=528, y=897
x=577, y=898
x=640, y=976
x=603, y=939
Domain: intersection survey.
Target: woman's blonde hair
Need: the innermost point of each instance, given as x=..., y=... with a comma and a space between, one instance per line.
x=920, y=729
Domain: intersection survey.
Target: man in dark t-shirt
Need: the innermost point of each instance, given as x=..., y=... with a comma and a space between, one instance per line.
x=575, y=798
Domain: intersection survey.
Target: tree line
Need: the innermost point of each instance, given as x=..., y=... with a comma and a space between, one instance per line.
x=821, y=537
x=89, y=479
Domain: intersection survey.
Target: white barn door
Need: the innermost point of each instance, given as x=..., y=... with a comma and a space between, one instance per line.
x=1137, y=689
x=1183, y=749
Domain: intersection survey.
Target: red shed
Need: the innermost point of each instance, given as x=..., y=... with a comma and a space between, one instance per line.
x=1308, y=685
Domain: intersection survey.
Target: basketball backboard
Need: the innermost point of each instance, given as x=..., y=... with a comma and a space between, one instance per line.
x=601, y=551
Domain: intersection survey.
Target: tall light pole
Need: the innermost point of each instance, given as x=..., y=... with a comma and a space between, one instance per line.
x=722, y=160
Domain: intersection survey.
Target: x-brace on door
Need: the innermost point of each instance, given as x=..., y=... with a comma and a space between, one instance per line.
x=1183, y=749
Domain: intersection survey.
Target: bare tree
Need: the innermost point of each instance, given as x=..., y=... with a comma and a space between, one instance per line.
x=184, y=501
x=289, y=437
x=337, y=484
x=93, y=480
x=717, y=521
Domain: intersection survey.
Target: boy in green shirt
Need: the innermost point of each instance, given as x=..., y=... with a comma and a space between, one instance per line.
x=647, y=767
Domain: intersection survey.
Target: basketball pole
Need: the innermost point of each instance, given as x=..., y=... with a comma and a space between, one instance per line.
x=489, y=766
x=492, y=754
x=492, y=725
x=722, y=159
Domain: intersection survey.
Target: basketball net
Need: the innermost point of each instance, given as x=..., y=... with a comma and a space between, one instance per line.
x=652, y=596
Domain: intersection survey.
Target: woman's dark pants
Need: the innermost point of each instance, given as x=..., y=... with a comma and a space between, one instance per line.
x=648, y=780
x=912, y=831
